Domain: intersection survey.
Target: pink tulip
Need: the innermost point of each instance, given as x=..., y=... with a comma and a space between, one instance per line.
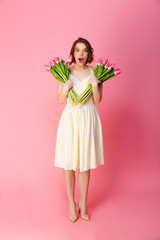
x=52, y=63
x=106, y=61
x=117, y=71
x=99, y=61
x=46, y=67
x=70, y=58
x=70, y=64
x=57, y=59
x=107, y=65
x=64, y=61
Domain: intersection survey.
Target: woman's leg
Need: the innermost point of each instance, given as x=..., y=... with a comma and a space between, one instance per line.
x=69, y=176
x=83, y=180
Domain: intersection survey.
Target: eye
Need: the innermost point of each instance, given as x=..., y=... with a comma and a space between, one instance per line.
x=85, y=50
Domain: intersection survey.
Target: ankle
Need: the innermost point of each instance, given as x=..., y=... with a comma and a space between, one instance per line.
x=82, y=202
x=72, y=202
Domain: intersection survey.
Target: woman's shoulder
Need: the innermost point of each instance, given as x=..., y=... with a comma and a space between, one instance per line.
x=91, y=69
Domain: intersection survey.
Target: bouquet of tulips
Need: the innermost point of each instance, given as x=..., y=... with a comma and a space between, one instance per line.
x=103, y=71
x=60, y=70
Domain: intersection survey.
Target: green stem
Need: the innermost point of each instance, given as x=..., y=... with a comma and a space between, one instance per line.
x=86, y=94
x=60, y=73
x=88, y=87
x=84, y=100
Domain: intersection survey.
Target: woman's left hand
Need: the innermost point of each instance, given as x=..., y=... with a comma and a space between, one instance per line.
x=94, y=81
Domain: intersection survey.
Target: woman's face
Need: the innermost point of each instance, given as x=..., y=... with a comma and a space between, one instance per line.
x=80, y=52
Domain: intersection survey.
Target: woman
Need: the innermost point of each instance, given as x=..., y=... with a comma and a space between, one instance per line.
x=79, y=142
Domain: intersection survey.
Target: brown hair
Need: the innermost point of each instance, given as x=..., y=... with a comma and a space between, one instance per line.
x=88, y=45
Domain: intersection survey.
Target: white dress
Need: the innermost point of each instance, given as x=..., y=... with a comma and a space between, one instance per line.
x=79, y=143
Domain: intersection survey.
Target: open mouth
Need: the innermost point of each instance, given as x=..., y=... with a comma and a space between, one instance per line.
x=80, y=59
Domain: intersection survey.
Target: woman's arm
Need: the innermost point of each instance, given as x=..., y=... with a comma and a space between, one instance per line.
x=96, y=89
x=97, y=92
x=62, y=91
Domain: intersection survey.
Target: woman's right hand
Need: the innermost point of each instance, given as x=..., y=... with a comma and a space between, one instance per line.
x=68, y=85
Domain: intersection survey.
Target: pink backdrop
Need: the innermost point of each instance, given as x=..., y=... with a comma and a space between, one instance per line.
x=124, y=194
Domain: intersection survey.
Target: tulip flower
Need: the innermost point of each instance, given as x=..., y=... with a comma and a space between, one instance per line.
x=51, y=63
x=57, y=60
x=117, y=71
x=99, y=61
x=70, y=58
x=46, y=67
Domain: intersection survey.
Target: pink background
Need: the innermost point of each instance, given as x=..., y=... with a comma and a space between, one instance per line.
x=124, y=194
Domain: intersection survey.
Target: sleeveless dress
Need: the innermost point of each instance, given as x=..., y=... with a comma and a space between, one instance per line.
x=79, y=143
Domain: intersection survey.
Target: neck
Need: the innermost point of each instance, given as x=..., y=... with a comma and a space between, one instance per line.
x=80, y=68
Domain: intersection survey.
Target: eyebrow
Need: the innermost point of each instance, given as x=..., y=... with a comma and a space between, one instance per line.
x=78, y=48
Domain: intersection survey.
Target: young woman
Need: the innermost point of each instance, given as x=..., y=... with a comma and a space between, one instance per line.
x=79, y=142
